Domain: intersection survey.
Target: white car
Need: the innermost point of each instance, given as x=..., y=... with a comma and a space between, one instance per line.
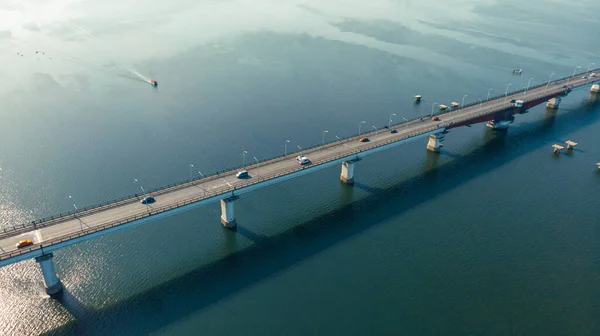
x=592, y=75
x=302, y=159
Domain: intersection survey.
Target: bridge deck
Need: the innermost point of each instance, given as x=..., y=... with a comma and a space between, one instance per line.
x=97, y=220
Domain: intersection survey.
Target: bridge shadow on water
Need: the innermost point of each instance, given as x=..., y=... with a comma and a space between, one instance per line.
x=205, y=286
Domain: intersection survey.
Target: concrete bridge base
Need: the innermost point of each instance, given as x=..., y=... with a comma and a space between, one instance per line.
x=595, y=88
x=498, y=124
x=435, y=143
x=228, y=213
x=347, y=175
x=553, y=103
x=51, y=281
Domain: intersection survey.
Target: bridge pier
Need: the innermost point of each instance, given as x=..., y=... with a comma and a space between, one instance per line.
x=553, y=103
x=228, y=213
x=347, y=175
x=435, y=143
x=498, y=124
x=51, y=281
x=595, y=88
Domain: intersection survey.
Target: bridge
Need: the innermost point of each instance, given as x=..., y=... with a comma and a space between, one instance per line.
x=57, y=232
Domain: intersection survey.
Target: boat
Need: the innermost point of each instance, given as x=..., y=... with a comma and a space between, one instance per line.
x=154, y=83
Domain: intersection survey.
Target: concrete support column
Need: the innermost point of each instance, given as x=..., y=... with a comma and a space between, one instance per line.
x=347, y=175
x=595, y=88
x=498, y=124
x=435, y=143
x=51, y=281
x=553, y=103
x=228, y=213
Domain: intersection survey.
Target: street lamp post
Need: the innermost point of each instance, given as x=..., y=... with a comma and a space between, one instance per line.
x=577, y=67
x=376, y=130
x=506, y=92
x=79, y=219
x=589, y=66
x=528, y=82
x=462, y=102
x=143, y=193
x=480, y=102
x=203, y=185
x=75, y=215
x=390, y=120
x=549, y=78
x=244, y=158
x=488, y=94
x=432, y=106
x=285, y=147
x=255, y=159
x=359, y=125
x=323, y=140
x=191, y=166
x=406, y=122
x=135, y=181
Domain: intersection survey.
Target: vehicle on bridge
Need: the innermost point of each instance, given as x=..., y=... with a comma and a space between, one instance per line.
x=436, y=118
x=242, y=174
x=148, y=200
x=24, y=242
x=302, y=159
x=394, y=131
x=364, y=139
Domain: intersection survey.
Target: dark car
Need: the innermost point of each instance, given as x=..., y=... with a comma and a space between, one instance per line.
x=394, y=131
x=363, y=139
x=148, y=200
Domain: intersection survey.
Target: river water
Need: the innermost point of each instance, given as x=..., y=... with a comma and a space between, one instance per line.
x=495, y=235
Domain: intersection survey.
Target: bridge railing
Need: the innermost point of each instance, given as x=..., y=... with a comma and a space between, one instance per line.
x=507, y=105
x=88, y=210
x=226, y=189
x=39, y=223
x=211, y=193
x=521, y=90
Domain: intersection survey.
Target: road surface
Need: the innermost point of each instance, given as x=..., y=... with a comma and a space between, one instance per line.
x=47, y=232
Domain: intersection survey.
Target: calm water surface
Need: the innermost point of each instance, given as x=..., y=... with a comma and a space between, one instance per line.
x=493, y=236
